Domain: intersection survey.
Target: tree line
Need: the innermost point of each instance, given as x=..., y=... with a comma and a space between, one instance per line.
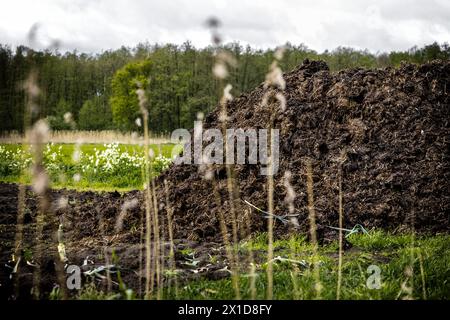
x=99, y=89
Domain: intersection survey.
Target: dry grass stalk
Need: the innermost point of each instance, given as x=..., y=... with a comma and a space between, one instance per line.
x=41, y=185
x=410, y=269
x=169, y=211
x=230, y=252
x=162, y=257
x=220, y=71
x=208, y=171
x=157, y=240
x=407, y=290
x=341, y=217
x=251, y=257
x=270, y=188
x=313, y=228
x=149, y=272
x=274, y=80
x=289, y=200
x=231, y=181
x=102, y=223
x=422, y=275
x=142, y=239
x=18, y=242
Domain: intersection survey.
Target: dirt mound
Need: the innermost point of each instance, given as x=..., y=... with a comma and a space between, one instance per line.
x=91, y=238
x=392, y=125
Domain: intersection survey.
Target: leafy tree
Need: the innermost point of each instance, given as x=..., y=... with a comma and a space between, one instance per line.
x=95, y=115
x=181, y=81
x=124, y=102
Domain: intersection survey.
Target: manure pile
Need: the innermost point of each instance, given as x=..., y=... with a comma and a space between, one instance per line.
x=392, y=125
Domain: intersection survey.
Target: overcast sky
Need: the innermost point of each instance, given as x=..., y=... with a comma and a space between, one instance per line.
x=97, y=25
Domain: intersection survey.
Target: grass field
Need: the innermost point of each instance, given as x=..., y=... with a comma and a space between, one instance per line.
x=85, y=166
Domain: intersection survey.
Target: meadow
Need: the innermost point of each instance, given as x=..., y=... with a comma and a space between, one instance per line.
x=86, y=166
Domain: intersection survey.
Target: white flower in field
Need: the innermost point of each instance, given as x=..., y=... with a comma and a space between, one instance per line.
x=108, y=166
x=220, y=70
x=77, y=177
x=138, y=122
x=151, y=153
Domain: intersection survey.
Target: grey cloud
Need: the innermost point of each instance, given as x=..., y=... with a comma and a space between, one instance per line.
x=94, y=26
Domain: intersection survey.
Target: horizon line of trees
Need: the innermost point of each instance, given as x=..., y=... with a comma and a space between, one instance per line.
x=98, y=89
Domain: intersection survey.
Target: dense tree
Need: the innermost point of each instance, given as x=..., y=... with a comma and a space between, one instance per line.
x=178, y=80
x=124, y=102
x=95, y=114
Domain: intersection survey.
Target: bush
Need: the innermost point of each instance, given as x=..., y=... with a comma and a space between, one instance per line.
x=12, y=162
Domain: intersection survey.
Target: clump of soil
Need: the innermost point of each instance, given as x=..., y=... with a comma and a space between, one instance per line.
x=390, y=125
x=388, y=129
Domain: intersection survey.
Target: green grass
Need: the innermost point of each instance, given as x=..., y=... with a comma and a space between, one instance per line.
x=391, y=253
x=62, y=178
